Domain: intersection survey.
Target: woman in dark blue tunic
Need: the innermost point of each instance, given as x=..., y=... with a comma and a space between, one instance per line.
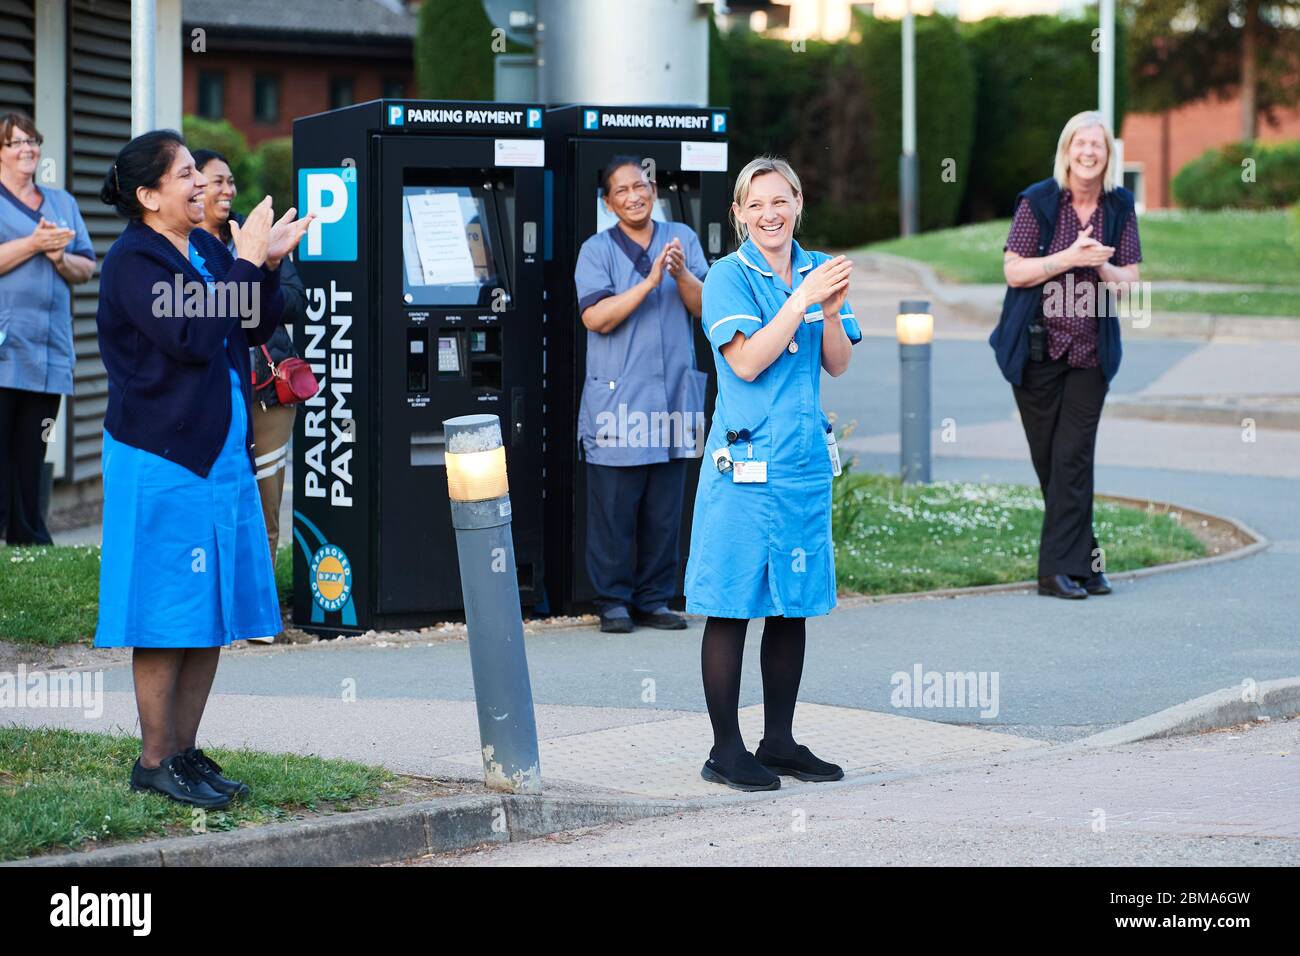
x=184, y=569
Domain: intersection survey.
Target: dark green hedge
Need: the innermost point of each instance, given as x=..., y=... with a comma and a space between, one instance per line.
x=1034, y=74
x=453, y=51
x=1216, y=179
x=835, y=111
x=945, y=117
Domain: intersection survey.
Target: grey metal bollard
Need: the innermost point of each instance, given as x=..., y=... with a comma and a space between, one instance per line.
x=502, y=690
x=914, y=399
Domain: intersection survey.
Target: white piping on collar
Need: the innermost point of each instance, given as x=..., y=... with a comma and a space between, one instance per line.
x=741, y=256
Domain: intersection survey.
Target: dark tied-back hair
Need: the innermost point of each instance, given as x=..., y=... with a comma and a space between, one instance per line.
x=204, y=156
x=613, y=166
x=142, y=162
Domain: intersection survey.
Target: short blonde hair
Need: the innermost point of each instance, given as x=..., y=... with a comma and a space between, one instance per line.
x=1110, y=177
x=757, y=167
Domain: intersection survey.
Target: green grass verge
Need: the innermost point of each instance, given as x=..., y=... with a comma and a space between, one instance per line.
x=891, y=538
x=1249, y=248
x=1273, y=304
x=888, y=539
x=62, y=789
x=50, y=595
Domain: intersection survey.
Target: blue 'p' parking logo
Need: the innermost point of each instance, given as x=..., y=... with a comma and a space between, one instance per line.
x=534, y=119
x=331, y=196
x=396, y=114
x=719, y=122
x=591, y=119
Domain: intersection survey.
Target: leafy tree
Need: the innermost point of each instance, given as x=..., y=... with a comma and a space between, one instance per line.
x=1184, y=50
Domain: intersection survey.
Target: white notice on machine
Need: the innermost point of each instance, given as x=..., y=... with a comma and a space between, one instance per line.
x=521, y=152
x=439, y=228
x=704, y=157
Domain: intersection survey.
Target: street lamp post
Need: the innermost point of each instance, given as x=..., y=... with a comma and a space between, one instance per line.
x=915, y=327
x=907, y=171
x=480, y=513
x=1106, y=77
x=144, y=20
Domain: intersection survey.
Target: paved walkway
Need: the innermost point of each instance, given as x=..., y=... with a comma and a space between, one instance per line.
x=1211, y=800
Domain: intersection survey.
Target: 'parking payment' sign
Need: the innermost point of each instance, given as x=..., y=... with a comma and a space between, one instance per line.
x=331, y=196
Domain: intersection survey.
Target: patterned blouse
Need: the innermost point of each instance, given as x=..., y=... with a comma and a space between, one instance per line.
x=1069, y=310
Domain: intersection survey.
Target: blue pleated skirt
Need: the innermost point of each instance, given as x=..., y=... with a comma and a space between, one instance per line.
x=185, y=561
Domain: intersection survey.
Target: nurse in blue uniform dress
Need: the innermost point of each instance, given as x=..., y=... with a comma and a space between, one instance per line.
x=184, y=569
x=761, y=545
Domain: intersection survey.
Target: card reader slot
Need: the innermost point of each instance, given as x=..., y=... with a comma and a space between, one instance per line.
x=428, y=449
x=417, y=360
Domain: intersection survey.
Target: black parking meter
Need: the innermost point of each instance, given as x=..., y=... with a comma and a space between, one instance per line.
x=685, y=150
x=425, y=293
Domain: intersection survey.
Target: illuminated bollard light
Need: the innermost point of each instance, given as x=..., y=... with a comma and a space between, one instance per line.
x=915, y=327
x=480, y=513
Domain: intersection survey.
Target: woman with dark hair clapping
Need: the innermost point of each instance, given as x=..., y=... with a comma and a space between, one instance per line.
x=185, y=568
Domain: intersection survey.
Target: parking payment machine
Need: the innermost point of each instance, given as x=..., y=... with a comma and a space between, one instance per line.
x=686, y=150
x=424, y=281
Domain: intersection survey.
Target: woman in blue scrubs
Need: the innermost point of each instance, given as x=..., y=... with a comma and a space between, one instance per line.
x=44, y=251
x=761, y=546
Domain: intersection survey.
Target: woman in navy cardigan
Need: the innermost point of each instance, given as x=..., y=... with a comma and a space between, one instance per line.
x=1072, y=250
x=184, y=569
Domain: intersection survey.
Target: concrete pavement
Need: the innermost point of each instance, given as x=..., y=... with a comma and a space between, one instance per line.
x=1221, y=799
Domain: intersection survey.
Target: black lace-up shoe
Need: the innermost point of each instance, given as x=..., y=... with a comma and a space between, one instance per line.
x=803, y=764
x=209, y=772
x=175, y=778
x=744, y=773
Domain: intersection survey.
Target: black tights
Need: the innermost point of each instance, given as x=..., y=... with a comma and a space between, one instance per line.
x=781, y=657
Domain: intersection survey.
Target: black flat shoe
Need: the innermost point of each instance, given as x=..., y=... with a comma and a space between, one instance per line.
x=175, y=778
x=745, y=773
x=1062, y=586
x=1096, y=584
x=664, y=620
x=616, y=625
x=209, y=771
x=803, y=764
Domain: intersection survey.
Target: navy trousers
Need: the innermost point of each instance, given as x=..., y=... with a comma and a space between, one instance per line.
x=23, y=415
x=634, y=516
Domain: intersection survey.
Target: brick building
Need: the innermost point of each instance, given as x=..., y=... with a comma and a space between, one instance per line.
x=260, y=63
x=1157, y=145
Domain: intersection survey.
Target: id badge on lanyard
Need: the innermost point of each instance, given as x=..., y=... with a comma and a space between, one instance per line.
x=749, y=471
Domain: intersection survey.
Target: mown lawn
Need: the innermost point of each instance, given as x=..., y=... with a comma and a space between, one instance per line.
x=65, y=789
x=888, y=539
x=891, y=538
x=50, y=595
x=1233, y=246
